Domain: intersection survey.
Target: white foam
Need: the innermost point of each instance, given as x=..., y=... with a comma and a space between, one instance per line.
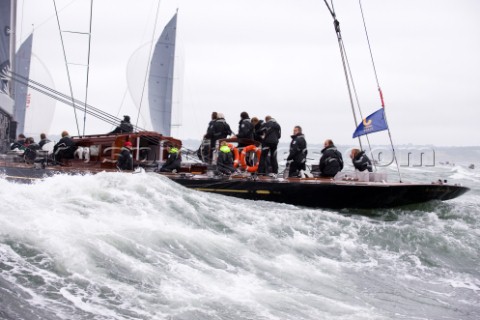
x=140, y=243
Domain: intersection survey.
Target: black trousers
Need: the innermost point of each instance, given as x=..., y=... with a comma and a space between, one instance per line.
x=268, y=157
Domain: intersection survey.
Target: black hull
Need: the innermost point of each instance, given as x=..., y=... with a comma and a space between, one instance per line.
x=314, y=193
x=327, y=194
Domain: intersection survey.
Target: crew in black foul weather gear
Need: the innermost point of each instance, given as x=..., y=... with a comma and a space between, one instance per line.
x=298, y=152
x=65, y=148
x=205, y=150
x=360, y=160
x=225, y=160
x=43, y=140
x=331, y=161
x=272, y=133
x=173, y=161
x=245, y=129
x=221, y=129
x=257, y=126
x=125, y=159
x=124, y=127
x=19, y=144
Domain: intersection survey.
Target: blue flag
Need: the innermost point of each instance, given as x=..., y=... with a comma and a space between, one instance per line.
x=373, y=123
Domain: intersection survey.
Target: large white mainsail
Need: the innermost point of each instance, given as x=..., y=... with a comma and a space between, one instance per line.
x=160, y=83
x=40, y=108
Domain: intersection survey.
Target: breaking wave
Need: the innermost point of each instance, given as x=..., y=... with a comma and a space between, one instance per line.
x=139, y=246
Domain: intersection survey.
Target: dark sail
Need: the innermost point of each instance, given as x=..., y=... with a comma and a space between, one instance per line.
x=22, y=68
x=5, y=29
x=6, y=103
x=160, y=84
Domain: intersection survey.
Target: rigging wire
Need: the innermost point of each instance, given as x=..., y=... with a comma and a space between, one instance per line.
x=66, y=65
x=61, y=97
x=380, y=92
x=349, y=70
x=343, y=55
x=94, y=112
x=88, y=67
x=148, y=61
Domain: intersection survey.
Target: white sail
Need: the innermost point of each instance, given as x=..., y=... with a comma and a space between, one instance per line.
x=40, y=108
x=22, y=70
x=137, y=67
x=160, y=84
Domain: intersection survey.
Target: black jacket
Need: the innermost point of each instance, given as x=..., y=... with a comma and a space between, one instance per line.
x=19, y=144
x=361, y=162
x=225, y=162
x=43, y=142
x=221, y=129
x=331, y=162
x=173, y=162
x=209, y=133
x=258, y=132
x=67, y=146
x=298, y=150
x=272, y=132
x=125, y=159
x=124, y=127
x=245, y=129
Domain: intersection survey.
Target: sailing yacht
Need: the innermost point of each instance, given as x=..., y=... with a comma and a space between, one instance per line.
x=148, y=152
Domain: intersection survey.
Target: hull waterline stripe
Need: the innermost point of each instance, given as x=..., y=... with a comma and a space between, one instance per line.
x=222, y=190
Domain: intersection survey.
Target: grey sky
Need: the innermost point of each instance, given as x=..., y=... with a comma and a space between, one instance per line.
x=281, y=58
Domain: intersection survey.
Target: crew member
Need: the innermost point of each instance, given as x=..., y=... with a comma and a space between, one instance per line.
x=173, y=160
x=245, y=129
x=221, y=129
x=272, y=133
x=360, y=160
x=258, y=134
x=64, y=149
x=124, y=127
x=331, y=161
x=298, y=153
x=43, y=140
x=19, y=143
x=125, y=158
x=225, y=160
x=206, y=149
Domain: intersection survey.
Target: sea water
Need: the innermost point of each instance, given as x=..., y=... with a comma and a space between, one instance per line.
x=139, y=246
